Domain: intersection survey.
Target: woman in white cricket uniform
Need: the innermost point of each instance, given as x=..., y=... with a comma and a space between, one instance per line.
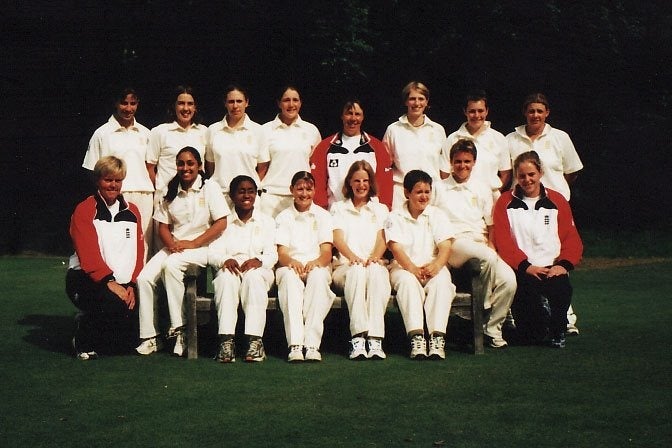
x=244, y=257
x=414, y=141
x=123, y=137
x=304, y=236
x=192, y=214
x=557, y=153
x=165, y=140
x=235, y=143
x=494, y=161
x=288, y=143
x=361, y=270
x=419, y=236
x=467, y=201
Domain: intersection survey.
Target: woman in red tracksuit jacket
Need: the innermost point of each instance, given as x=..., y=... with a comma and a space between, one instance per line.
x=535, y=234
x=333, y=157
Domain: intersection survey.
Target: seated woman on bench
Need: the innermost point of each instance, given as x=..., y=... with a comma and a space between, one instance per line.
x=304, y=236
x=244, y=257
x=419, y=235
x=360, y=270
x=192, y=214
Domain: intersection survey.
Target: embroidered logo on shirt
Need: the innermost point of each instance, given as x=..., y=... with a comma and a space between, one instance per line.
x=333, y=163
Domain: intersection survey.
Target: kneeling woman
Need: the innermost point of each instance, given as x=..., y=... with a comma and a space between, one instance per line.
x=536, y=236
x=420, y=236
x=304, y=235
x=107, y=234
x=191, y=215
x=361, y=272
x=244, y=257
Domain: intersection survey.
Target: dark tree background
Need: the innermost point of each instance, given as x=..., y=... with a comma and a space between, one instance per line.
x=604, y=64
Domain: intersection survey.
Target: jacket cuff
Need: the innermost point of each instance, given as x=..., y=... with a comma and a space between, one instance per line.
x=565, y=264
x=108, y=278
x=522, y=267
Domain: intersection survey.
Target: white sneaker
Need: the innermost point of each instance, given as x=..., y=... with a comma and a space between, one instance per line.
x=572, y=330
x=357, y=348
x=437, y=346
x=149, y=346
x=180, y=344
x=295, y=353
x=418, y=347
x=496, y=342
x=313, y=354
x=375, y=349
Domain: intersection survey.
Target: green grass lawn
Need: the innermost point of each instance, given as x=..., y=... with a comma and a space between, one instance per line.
x=611, y=386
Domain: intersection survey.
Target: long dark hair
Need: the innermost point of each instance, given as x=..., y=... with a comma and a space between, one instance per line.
x=175, y=181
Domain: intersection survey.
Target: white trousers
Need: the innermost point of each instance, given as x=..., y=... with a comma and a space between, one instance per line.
x=272, y=204
x=419, y=303
x=304, y=307
x=144, y=200
x=170, y=269
x=366, y=291
x=497, y=278
x=249, y=289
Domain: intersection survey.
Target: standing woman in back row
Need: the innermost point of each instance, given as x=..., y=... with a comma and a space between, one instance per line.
x=235, y=143
x=288, y=143
x=414, y=141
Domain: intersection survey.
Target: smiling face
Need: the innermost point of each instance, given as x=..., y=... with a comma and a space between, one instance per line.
x=109, y=187
x=476, y=113
x=303, y=192
x=359, y=183
x=125, y=109
x=352, y=119
x=187, y=169
x=290, y=106
x=185, y=109
x=462, y=163
x=528, y=177
x=236, y=104
x=243, y=197
x=418, y=198
x=416, y=103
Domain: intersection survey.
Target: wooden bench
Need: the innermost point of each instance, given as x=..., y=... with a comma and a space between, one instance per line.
x=467, y=305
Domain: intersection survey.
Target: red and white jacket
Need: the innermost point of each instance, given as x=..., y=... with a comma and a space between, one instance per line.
x=328, y=150
x=107, y=248
x=543, y=236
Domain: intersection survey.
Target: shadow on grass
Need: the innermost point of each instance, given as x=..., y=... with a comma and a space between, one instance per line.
x=51, y=333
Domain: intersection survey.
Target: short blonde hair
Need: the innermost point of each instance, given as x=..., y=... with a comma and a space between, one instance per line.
x=414, y=85
x=109, y=165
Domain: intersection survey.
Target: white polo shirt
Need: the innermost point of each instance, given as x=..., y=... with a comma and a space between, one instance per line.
x=360, y=226
x=492, y=153
x=556, y=151
x=303, y=232
x=165, y=141
x=193, y=211
x=415, y=148
x=234, y=151
x=128, y=144
x=419, y=238
x=288, y=148
x=468, y=206
x=243, y=241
